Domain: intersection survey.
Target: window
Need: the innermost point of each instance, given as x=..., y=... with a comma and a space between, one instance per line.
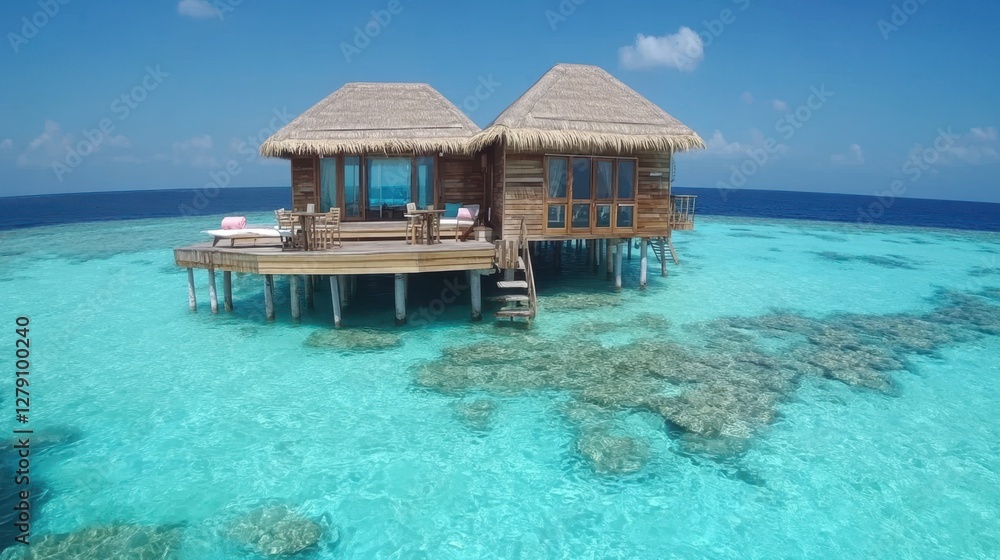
x=389, y=186
x=352, y=187
x=597, y=193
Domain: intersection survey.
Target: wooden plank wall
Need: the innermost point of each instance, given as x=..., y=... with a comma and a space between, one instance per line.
x=524, y=197
x=305, y=182
x=498, y=161
x=653, y=196
x=461, y=179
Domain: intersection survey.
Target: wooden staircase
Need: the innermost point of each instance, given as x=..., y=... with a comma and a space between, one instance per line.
x=514, y=259
x=662, y=245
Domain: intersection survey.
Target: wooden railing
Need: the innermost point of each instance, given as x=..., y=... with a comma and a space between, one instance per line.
x=682, y=211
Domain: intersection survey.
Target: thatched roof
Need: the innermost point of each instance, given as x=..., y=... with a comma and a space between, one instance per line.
x=375, y=118
x=583, y=109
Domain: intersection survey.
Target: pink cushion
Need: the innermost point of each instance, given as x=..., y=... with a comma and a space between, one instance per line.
x=464, y=214
x=234, y=222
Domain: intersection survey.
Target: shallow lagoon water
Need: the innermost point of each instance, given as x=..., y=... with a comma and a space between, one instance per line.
x=422, y=444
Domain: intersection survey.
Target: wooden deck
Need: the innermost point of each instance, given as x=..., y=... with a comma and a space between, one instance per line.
x=355, y=257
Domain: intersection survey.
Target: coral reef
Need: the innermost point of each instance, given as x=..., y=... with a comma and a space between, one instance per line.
x=354, y=340
x=608, y=453
x=275, y=530
x=102, y=543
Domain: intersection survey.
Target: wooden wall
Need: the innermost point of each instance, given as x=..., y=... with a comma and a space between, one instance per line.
x=461, y=180
x=305, y=182
x=498, y=161
x=523, y=195
x=653, y=196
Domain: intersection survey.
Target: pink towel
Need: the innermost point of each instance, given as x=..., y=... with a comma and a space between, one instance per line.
x=234, y=222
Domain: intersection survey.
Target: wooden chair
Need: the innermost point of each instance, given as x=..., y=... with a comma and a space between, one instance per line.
x=287, y=222
x=435, y=233
x=319, y=237
x=332, y=229
x=414, y=223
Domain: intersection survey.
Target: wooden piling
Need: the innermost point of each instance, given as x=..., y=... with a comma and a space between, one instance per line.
x=213, y=297
x=227, y=289
x=663, y=257
x=293, y=282
x=475, y=285
x=643, y=261
x=609, y=260
x=400, y=282
x=192, y=300
x=334, y=291
x=619, y=252
x=269, y=297
x=343, y=292
x=310, y=291
x=630, y=248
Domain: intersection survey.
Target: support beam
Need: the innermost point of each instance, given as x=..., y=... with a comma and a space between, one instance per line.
x=227, y=289
x=630, y=240
x=663, y=257
x=310, y=291
x=192, y=301
x=335, y=282
x=619, y=252
x=609, y=260
x=293, y=283
x=643, y=261
x=400, y=282
x=343, y=291
x=269, y=297
x=475, y=285
x=213, y=297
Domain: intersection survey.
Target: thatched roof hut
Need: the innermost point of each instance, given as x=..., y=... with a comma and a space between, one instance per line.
x=583, y=109
x=387, y=118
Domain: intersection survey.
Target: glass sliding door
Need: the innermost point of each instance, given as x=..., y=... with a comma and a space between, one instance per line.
x=390, y=187
x=425, y=182
x=328, y=184
x=353, y=201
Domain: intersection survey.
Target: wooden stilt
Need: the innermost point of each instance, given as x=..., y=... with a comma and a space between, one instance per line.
x=310, y=291
x=475, y=286
x=343, y=292
x=400, y=299
x=213, y=297
x=630, y=249
x=293, y=282
x=334, y=290
x=643, y=261
x=192, y=301
x=609, y=261
x=619, y=253
x=663, y=257
x=269, y=296
x=227, y=289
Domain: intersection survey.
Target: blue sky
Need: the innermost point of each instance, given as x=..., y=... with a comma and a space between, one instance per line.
x=858, y=96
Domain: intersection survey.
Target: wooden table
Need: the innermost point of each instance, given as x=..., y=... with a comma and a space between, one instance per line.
x=307, y=221
x=428, y=217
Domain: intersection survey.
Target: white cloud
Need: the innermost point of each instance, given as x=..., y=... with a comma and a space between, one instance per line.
x=718, y=146
x=6, y=144
x=196, y=152
x=682, y=51
x=119, y=141
x=984, y=134
x=854, y=156
x=747, y=97
x=199, y=9
x=780, y=106
x=979, y=146
x=50, y=146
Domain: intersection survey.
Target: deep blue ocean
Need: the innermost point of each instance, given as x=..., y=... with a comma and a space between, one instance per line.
x=31, y=211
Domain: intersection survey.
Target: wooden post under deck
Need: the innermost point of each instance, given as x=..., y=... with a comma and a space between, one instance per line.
x=475, y=283
x=293, y=282
x=643, y=261
x=342, y=294
x=400, y=282
x=609, y=260
x=213, y=297
x=619, y=252
x=663, y=257
x=192, y=300
x=335, y=282
x=630, y=248
x=269, y=297
x=227, y=289
x=310, y=290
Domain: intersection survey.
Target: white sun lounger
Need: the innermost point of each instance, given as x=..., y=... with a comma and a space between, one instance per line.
x=248, y=233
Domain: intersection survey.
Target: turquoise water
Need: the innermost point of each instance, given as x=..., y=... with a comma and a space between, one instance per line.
x=791, y=390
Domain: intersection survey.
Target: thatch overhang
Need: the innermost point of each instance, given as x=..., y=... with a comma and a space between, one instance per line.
x=583, y=109
x=365, y=118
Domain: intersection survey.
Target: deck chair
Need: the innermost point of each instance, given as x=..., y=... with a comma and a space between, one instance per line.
x=414, y=223
x=287, y=223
